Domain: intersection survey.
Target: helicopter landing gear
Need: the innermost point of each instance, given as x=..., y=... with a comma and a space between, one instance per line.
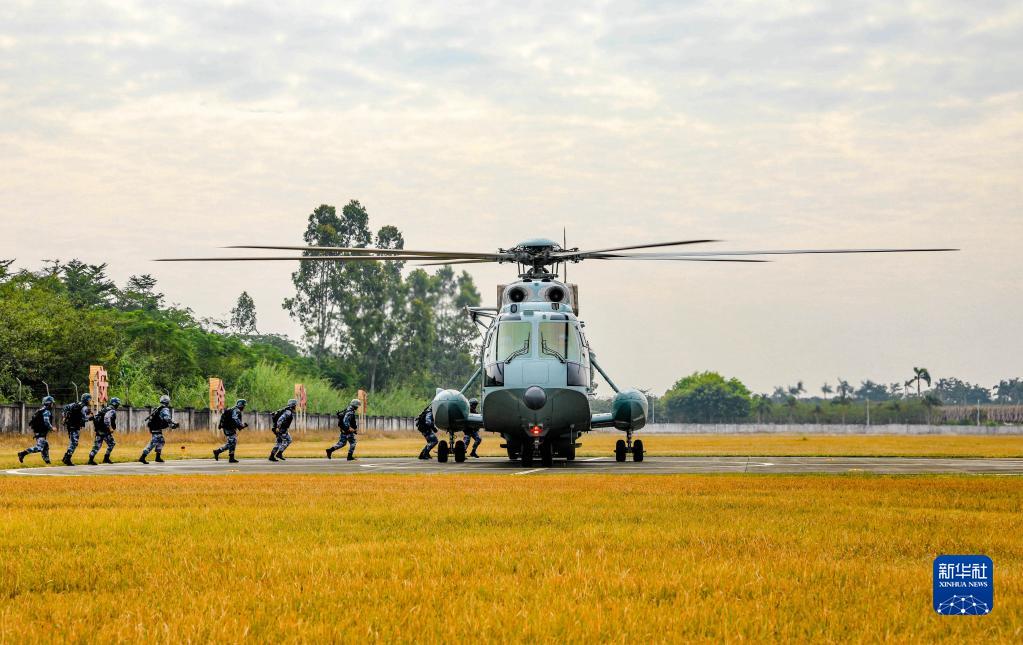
x=546, y=455
x=513, y=454
x=527, y=455
x=625, y=446
x=442, y=452
x=459, y=451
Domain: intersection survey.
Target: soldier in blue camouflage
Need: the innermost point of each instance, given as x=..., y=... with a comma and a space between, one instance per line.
x=473, y=433
x=348, y=420
x=426, y=427
x=281, y=425
x=158, y=421
x=76, y=416
x=41, y=424
x=231, y=427
x=104, y=424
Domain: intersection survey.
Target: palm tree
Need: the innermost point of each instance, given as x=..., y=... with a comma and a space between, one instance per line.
x=791, y=402
x=896, y=390
x=930, y=402
x=796, y=390
x=919, y=374
x=844, y=389
x=826, y=389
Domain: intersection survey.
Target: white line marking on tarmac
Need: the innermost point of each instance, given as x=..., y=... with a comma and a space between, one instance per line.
x=369, y=465
x=526, y=472
x=593, y=459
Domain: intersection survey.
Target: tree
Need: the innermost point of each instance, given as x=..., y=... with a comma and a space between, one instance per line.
x=843, y=390
x=243, y=316
x=895, y=389
x=320, y=285
x=1009, y=391
x=826, y=389
x=871, y=391
x=919, y=374
x=761, y=406
x=953, y=390
x=707, y=397
x=87, y=284
x=796, y=390
x=930, y=401
x=139, y=293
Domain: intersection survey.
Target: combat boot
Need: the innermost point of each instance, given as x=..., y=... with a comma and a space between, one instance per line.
x=106, y=459
x=67, y=460
x=216, y=454
x=273, y=455
x=92, y=460
x=330, y=453
x=21, y=457
x=232, y=460
x=280, y=457
x=142, y=460
x=473, y=454
x=159, y=458
x=351, y=457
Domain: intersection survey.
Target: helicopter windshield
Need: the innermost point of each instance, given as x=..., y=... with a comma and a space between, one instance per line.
x=512, y=340
x=560, y=341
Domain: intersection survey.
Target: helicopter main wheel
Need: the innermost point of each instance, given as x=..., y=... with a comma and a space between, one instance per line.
x=570, y=452
x=459, y=451
x=442, y=452
x=637, y=450
x=546, y=455
x=527, y=455
x=620, y=450
x=513, y=454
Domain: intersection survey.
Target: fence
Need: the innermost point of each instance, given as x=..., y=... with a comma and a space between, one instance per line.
x=15, y=417
x=827, y=428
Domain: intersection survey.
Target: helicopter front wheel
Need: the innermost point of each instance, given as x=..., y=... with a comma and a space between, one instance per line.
x=637, y=450
x=527, y=455
x=546, y=454
x=459, y=451
x=620, y=450
x=442, y=452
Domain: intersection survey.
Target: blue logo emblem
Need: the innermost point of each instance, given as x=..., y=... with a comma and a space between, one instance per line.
x=963, y=585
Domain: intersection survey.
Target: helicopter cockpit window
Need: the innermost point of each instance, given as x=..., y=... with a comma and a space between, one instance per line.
x=513, y=340
x=560, y=341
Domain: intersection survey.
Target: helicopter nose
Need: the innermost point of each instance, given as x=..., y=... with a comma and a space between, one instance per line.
x=534, y=397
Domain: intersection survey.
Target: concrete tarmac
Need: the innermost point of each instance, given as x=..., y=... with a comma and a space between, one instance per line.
x=584, y=465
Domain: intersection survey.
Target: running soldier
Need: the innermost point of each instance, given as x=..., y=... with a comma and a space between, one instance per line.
x=158, y=421
x=104, y=424
x=41, y=424
x=426, y=427
x=76, y=416
x=473, y=433
x=348, y=420
x=231, y=422
x=281, y=424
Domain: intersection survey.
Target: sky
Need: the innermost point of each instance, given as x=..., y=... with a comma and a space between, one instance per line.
x=136, y=130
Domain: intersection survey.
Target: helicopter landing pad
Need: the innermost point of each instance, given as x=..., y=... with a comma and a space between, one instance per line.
x=583, y=465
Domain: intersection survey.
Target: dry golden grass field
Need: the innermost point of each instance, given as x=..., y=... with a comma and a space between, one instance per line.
x=477, y=558
x=379, y=444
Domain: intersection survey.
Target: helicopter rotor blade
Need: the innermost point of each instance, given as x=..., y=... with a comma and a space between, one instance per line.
x=367, y=250
x=639, y=256
x=582, y=254
x=313, y=258
x=690, y=254
x=437, y=264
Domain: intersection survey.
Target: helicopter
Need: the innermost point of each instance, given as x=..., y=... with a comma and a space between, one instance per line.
x=538, y=369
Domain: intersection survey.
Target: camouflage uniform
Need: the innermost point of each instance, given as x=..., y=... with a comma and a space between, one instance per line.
x=349, y=425
x=430, y=433
x=41, y=445
x=231, y=434
x=74, y=431
x=105, y=434
x=476, y=440
x=283, y=436
x=157, y=441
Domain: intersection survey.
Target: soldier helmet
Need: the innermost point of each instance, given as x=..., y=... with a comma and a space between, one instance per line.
x=474, y=401
x=115, y=402
x=355, y=403
x=165, y=400
x=292, y=403
x=86, y=397
x=240, y=403
x=47, y=400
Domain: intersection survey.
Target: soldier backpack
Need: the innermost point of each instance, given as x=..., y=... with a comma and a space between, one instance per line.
x=421, y=424
x=71, y=414
x=227, y=420
x=276, y=416
x=36, y=422
x=156, y=422
x=99, y=422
